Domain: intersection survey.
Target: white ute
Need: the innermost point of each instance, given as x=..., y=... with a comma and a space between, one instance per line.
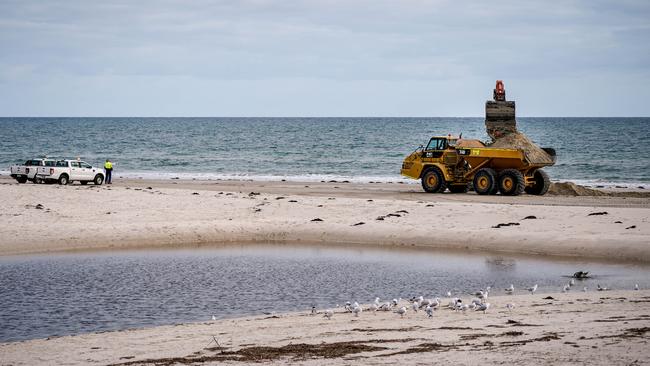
x=27, y=171
x=68, y=171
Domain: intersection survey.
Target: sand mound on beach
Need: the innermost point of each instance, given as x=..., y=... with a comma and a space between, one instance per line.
x=572, y=189
x=517, y=140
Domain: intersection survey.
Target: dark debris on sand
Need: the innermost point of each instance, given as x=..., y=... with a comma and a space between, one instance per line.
x=598, y=213
x=503, y=225
x=299, y=351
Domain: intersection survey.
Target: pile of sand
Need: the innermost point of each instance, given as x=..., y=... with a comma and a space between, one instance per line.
x=572, y=189
x=534, y=154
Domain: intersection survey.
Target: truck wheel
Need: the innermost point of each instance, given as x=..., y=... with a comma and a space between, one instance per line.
x=485, y=181
x=37, y=180
x=22, y=180
x=99, y=179
x=83, y=182
x=511, y=182
x=63, y=179
x=541, y=185
x=459, y=188
x=433, y=181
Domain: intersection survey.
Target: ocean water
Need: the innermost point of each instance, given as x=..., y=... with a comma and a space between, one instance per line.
x=49, y=295
x=593, y=151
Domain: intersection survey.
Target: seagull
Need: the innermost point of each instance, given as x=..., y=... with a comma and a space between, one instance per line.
x=313, y=310
x=429, y=311
x=572, y=282
x=401, y=311
x=472, y=306
x=385, y=306
x=483, y=307
x=602, y=288
x=510, y=290
x=532, y=289
x=463, y=308
x=566, y=288
x=329, y=313
x=374, y=307
x=214, y=317
x=357, y=309
x=584, y=289
x=636, y=286
x=415, y=306
x=448, y=293
x=348, y=306
x=395, y=301
x=510, y=306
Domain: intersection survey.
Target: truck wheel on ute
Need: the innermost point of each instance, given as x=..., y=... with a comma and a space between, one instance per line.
x=433, y=180
x=22, y=180
x=485, y=181
x=541, y=185
x=63, y=179
x=37, y=180
x=83, y=182
x=511, y=182
x=99, y=179
x=459, y=188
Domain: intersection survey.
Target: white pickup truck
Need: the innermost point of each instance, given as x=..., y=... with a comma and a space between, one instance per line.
x=68, y=171
x=27, y=171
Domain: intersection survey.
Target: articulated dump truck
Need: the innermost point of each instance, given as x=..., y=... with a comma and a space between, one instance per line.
x=452, y=163
x=511, y=164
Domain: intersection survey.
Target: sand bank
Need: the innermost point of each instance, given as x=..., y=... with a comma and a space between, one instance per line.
x=601, y=328
x=138, y=213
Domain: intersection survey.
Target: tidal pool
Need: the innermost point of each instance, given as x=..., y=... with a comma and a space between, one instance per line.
x=53, y=295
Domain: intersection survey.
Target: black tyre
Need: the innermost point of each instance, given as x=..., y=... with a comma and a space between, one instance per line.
x=99, y=179
x=459, y=188
x=485, y=181
x=541, y=185
x=37, y=180
x=433, y=181
x=511, y=182
x=83, y=182
x=22, y=180
x=64, y=179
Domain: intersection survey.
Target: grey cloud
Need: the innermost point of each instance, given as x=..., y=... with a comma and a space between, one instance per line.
x=300, y=43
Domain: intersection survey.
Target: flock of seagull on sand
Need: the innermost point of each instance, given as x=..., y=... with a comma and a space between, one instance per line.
x=415, y=304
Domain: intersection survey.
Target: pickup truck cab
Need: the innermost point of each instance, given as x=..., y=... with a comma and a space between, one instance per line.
x=27, y=171
x=67, y=171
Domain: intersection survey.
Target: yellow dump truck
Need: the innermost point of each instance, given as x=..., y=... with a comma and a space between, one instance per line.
x=452, y=163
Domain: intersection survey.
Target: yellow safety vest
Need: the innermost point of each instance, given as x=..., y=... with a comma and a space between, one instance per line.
x=108, y=165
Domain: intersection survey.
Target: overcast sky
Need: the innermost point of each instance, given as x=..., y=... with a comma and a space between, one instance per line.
x=323, y=58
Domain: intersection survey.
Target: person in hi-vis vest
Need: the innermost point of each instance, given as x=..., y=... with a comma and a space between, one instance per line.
x=108, y=167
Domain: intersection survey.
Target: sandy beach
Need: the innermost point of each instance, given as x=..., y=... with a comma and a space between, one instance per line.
x=596, y=327
x=176, y=213
x=599, y=328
